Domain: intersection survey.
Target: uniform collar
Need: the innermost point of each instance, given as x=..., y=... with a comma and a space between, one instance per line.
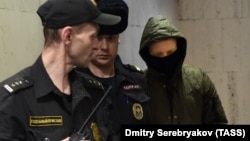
x=120, y=69
x=43, y=83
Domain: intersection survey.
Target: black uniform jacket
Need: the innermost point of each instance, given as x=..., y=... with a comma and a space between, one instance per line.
x=33, y=109
x=129, y=100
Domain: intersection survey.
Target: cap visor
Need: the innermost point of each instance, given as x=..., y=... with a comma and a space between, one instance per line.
x=107, y=19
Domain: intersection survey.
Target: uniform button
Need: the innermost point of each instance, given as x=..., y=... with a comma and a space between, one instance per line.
x=164, y=86
x=46, y=139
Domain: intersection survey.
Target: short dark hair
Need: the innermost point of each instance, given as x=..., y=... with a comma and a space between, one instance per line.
x=51, y=35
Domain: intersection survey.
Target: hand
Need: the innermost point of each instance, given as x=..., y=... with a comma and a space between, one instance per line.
x=67, y=139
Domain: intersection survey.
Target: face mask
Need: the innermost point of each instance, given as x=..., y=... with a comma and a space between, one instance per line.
x=166, y=65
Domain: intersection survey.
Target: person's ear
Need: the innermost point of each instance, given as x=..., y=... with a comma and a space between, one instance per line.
x=66, y=35
x=119, y=40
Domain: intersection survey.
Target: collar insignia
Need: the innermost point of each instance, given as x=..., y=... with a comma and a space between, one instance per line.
x=94, y=2
x=137, y=111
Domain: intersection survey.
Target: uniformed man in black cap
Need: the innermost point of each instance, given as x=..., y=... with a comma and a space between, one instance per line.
x=129, y=102
x=49, y=100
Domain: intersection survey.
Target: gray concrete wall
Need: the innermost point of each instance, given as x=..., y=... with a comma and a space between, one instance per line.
x=218, y=36
x=21, y=38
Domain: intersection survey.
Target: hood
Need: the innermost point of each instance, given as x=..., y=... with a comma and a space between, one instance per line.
x=159, y=28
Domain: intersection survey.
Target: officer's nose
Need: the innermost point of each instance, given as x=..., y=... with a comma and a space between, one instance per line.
x=103, y=44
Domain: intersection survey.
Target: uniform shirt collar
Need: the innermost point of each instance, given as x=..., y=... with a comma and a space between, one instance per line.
x=43, y=83
x=120, y=70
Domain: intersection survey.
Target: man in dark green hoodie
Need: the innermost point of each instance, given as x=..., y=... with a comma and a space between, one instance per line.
x=180, y=94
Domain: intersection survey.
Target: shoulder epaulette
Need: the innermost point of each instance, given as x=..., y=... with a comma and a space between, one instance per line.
x=16, y=84
x=90, y=81
x=133, y=68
